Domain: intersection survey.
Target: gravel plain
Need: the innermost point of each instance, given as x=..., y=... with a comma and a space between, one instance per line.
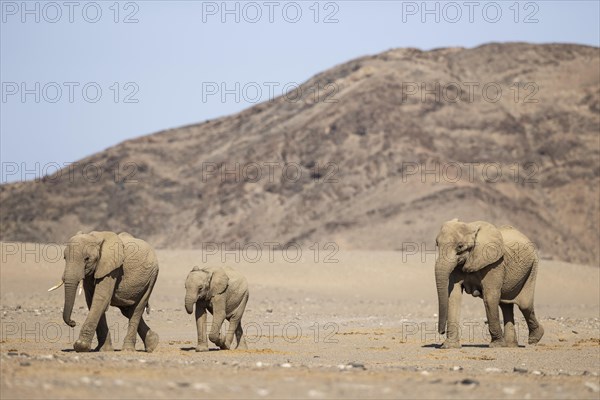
x=361, y=327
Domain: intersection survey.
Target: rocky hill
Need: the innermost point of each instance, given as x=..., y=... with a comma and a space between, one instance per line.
x=370, y=154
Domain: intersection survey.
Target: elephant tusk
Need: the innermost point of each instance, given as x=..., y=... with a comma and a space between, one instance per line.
x=80, y=290
x=56, y=287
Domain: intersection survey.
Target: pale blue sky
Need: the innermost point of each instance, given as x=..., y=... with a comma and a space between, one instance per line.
x=176, y=47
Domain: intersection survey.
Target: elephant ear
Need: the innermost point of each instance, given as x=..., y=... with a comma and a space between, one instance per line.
x=218, y=282
x=112, y=253
x=488, y=248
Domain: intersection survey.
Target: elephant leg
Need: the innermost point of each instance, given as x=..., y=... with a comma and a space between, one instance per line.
x=127, y=344
x=149, y=337
x=525, y=303
x=131, y=335
x=219, y=314
x=453, y=327
x=102, y=332
x=536, y=331
x=491, y=300
x=101, y=297
x=235, y=321
x=143, y=329
x=233, y=326
x=215, y=335
x=136, y=312
x=239, y=337
x=201, y=326
x=510, y=336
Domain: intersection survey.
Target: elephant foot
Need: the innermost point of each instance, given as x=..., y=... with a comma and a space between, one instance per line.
x=82, y=346
x=218, y=340
x=510, y=338
x=498, y=343
x=151, y=341
x=223, y=346
x=451, y=344
x=536, y=335
x=128, y=346
x=202, y=347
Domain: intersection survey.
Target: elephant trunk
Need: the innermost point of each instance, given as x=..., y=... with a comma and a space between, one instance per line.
x=443, y=268
x=189, y=303
x=70, y=289
x=72, y=276
x=442, y=281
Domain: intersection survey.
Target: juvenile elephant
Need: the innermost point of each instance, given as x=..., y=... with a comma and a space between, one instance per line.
x=224, y=293
x=499, y=265
x=117, y=270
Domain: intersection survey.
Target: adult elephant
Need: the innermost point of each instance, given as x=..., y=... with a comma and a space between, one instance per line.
x=117, y=270
x=498, y=264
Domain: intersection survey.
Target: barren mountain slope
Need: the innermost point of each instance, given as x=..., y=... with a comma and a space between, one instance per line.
x=360, y=147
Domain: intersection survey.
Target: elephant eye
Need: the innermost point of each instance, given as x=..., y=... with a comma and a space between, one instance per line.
x=87, y=258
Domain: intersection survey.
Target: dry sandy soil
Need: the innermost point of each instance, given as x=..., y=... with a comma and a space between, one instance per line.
x=307, y=323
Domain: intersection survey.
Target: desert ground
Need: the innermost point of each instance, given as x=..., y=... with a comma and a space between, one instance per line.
x=355, y=324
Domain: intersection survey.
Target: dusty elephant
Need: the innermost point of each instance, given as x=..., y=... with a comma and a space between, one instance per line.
x=117, y=270
x=224, y=293
x=497, y=264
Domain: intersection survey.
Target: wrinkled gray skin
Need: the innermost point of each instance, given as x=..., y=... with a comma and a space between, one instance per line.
x=116, y=270
x=499, y=265
x=224, y=293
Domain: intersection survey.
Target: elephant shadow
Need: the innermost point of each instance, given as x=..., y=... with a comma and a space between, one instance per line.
x=98, y=351
x=476, y=346
x=194, y=349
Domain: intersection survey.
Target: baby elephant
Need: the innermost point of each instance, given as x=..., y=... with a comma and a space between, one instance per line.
x=224, y=292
